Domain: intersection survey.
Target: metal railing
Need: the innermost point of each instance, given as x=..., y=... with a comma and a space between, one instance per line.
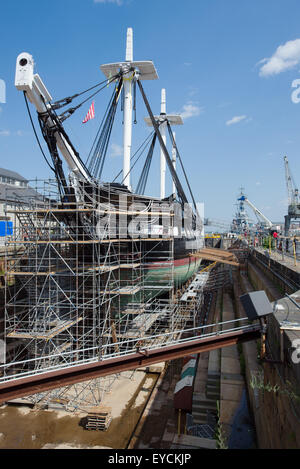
x=107, y=352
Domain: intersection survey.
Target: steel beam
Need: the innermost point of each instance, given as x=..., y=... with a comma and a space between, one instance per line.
x=22, y=387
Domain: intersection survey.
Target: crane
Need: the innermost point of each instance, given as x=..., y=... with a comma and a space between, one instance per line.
x=267, y=222
x=216, y=223
x=293, y=198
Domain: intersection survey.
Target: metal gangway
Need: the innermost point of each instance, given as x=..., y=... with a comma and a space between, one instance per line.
x=155, y=349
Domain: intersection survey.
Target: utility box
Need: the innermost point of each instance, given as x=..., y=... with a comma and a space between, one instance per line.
x=256, y=304
x=6, y=228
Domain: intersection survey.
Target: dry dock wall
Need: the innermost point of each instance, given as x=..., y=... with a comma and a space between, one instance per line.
x=274, y=383
x=283, y=277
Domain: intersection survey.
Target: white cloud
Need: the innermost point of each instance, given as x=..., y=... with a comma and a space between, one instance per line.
x=285, y=57
x=258, y=183
x=4, y=133
x=236, y=120
x=116, y=150
x=191, y=110
x=117, y=2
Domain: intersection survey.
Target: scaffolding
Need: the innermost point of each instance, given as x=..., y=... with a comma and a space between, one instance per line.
x=78, y=289
x=90, y=280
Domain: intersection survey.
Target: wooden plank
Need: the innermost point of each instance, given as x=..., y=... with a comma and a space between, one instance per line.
x=218, y=252
x=63, y=347
x=216, y=259
x=46, y=336
x=90, y=241
x=101, y=268
x=217, y=255
x=122, y=291
x=32, y=274
x=117, y=212
x=51, y=210
x=133, y=311
x=91, y=209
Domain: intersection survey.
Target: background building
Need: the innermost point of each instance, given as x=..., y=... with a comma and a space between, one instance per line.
x=14, y=192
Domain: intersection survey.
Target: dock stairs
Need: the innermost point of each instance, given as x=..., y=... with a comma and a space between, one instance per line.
x=205, y=403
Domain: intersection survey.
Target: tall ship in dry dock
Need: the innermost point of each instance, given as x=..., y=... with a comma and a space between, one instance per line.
x=120, y=212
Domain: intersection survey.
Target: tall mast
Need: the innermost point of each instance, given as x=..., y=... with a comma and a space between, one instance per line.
x=162, y=119
x=127, y=132
x=129, y=70
x=162, y=155
x=174, y=162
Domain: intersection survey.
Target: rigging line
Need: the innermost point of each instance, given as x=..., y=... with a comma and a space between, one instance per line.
x=148, y=138
x=98, y=132
x=60, y=128
x=141, y=186
x=98, y=158
x=177, y=152
x=56, y=160
x=133, y=165
x=102, y=144
x=70, y=98
x=35, y=133
x=175, y=178
x=93, y=163
x=73, y=109
x=108, y=139
x=145, y=142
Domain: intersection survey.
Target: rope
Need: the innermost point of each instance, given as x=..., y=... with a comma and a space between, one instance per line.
x=35, y=133
x=181, y=163
x=64, y=101
x=97, y=134
x=145, y=142
x=141, y=186
x=97, y=159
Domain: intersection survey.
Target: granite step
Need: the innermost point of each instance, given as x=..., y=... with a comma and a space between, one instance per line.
x=206, y=405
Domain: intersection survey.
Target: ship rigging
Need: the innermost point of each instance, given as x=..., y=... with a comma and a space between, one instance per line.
x=127, y=77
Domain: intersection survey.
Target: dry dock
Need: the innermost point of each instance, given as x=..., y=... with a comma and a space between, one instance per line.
x=244, y=396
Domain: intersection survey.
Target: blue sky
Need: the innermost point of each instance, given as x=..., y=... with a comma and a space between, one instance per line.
x=227, y=66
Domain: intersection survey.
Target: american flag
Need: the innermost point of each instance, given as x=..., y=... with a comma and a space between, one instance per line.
x=91, y=113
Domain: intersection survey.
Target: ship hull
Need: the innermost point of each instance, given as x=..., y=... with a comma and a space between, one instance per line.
x=161, y=278
x=183, y=270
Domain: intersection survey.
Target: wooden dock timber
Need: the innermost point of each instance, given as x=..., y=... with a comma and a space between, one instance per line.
x=217, y=255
